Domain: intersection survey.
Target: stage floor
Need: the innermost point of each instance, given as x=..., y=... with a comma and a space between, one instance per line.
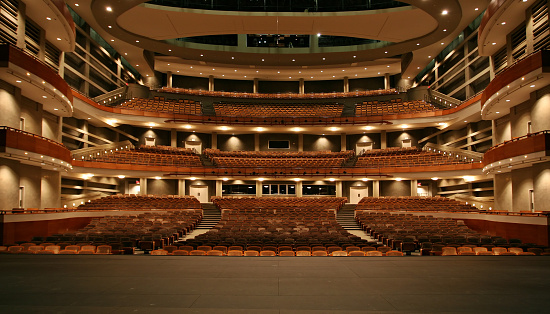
x=208, y=284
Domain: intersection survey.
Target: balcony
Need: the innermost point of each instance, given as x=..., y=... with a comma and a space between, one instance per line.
x=36, y=80
x=33, y=149
x=517, y=153
x=515, y=84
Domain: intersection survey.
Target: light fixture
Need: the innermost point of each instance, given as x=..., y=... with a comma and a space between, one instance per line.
x=121, y=176
x=444, y=12
x=158, y=178
x=225, y=179
x=109, y=9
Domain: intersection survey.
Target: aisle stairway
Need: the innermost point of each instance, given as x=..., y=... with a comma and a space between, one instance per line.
x=210, y=217
x=346, y=219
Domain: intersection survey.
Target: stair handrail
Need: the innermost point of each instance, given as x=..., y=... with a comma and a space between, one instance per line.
x=91, y=153
x=455, y=152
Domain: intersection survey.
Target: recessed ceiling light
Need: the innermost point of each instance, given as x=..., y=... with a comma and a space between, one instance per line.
x=445, y=30
x=532, y=85
x=48, y=18
x=385, y=52
x=443, y=43
x=494, y=44
x=202, y=55
x=476, y=9
x=44, y=96
x=112, y=40
x=444, y=12
x=418, y=44
x=355, y=56
x=503, y=23
x=137, y=41
x=55, y=109
x=18, y=81
x=58, y=38
x=109, y=9
x=324, y=59
x=232, y=58
x=109, y=26
x=263, y=59
x=76, y=4
x=388, y=66
x=293, y=60
x=169, y=49
x=137, y=65
x=507, y=100
x=498, y=111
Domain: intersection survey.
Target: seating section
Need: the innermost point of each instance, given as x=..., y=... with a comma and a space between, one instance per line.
x=186, y=91
x=263, y=159
x=289, y=226
x=408, y=232
x=120, y=234
x=141, y=202
x=414, y=203
x=278, y=110
x=159, y=104
x=390, y=107
x=405, y=157
x=152, y=156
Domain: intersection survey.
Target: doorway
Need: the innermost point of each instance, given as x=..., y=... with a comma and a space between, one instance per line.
x=356, y=193
x=200, y=192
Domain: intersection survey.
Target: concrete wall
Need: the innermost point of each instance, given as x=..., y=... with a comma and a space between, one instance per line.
x=50, y=126
x=522, y=182
x=32, y=113
x=10, y=98
x=50, y=189
x=30, y=180
x=321, y=143
x=394, y=139
x=503, y=130
x=503, y=192
x=236, y=142
x=520, y=115
x=395, y=188
x=540, y=111
x=162, y=187
x=352, y=140
x=9, y=180
x=205, y=139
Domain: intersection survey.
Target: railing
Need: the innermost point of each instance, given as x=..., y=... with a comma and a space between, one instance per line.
x=245, y=95
x=444, y=101
x=91, y=153
x=523, y=145
x=454, y=152
x=113, y=97
x=14, y=138
x=30, y=63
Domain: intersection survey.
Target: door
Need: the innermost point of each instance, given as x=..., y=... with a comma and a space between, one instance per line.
x=197, y=146
x=362, y=147
x=406, y=143
x=357, y=193
x=200, y=192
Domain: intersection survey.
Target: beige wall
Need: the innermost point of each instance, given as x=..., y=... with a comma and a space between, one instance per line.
x=30, y=179
x=540, y=111
x=50, y=189
x=541, y=184
x=50, y=126
x=32, y=113
x=9, y=181
x=522, y=182
x=9, y=103
x=519, y=117
x=503, y=192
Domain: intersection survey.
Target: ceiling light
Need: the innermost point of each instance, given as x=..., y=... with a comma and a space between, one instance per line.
x=48, y=18
x=503, y=23
x=58, y=38
x=435, y=178
x=109, y=26
x=121, y=176
x=137, y=41
x=398, y=179
x=297, y=179
x=18, y=81
x=76, y=4
x=44, y=96
x=109, y=9
x=157, y=178
x=445, y=30
x=532, y=85
x=444, y=12
x=476, y=9
x=225, y=179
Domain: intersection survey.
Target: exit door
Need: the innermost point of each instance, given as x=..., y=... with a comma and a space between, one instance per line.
x=357, y=193
x=200, y=192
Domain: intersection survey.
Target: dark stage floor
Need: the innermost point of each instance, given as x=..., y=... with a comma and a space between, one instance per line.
x=196, y=284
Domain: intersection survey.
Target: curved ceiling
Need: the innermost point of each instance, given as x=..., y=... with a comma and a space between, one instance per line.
x=422, y=28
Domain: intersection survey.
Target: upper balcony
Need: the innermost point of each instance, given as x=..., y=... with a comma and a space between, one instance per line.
x=36, y=80
x=514, y=85
x=33, y=149
x=517, y=153
x=499, y=20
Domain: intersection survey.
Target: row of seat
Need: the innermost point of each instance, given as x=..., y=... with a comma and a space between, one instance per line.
x=394, y=106
x=210, y=153
x=278, y=110
x=31, y=248
x=411, y=158
x=142, y=202
x=187, y=91
x=272, y=253
x=159, y=104
x=413, y=203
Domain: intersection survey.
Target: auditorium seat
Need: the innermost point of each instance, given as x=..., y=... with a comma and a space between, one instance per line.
x=268, y=253
x=251, y=253
x=339, y=253
x=214, y=253
x=197, y=253
x=374, y=253
x=158, y=252
x=394, y=253
x=235, y=253
x=448, y=251
x=180, y=252
x=67, y=252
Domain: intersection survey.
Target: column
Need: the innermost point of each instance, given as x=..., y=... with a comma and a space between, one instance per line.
x=343, y=142
x=257, y=142
x=493, y=132
x=469, y=138
x=143, y=186
x=173, y=138
x=85, y=136
x=211, y=83
x=181, y=187
x=214, y=140
x=387, y=81
x=255, y=87
x=259, y=188
x=300, y=142
x=301, y=87
x=338, y=188
x=219, y=189
x=299, y=189
x=376, y=188
x=242, y=40
x=61, y=69
x=346, y=84
x=59, y=129
x=414, y=187
x=169, y=79
x=383, y=140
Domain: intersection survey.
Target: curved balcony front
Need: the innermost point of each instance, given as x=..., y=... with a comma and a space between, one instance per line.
x=518, y=153
x=33, y=149
x=36, y=80
x=515, y=84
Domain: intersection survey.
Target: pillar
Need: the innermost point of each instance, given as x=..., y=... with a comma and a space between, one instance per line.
x=173, y=138
x=219, y=189
x=242, y=40
x=169, y=79
x=143, y=186
x=469, y=138
x=383, y=140
x=346, y=84
x=299, y=189
x=300, y=142
x=338, y=188
x=387, y=81
x=376, y=188
x=181, y=187
x=414, y=187
x=301, y=87
x=214, y=140
x=85, y=136
x=259, y=188
x=255, y=87
x=493, y=133
x=211, y=83
x=343, y=142
x=257, y=142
